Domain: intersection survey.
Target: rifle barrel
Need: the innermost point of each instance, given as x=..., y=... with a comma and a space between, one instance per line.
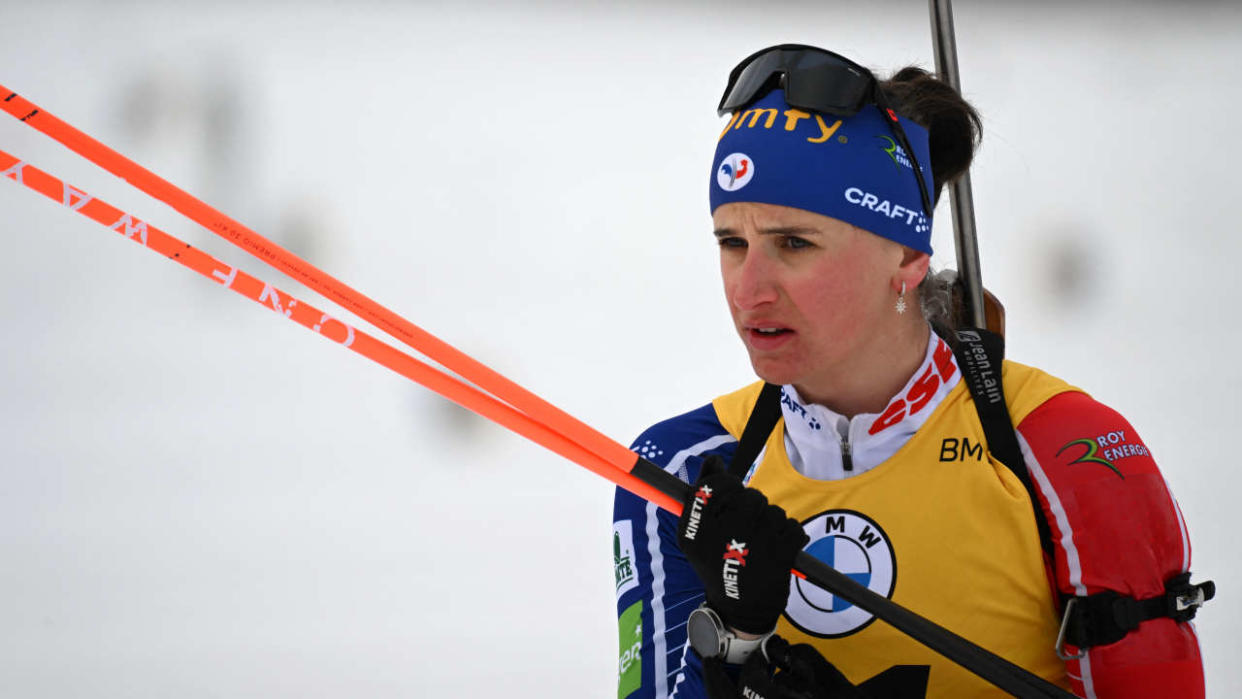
x=960, y=194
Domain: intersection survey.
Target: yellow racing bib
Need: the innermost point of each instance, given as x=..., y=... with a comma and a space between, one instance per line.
x=940, y=528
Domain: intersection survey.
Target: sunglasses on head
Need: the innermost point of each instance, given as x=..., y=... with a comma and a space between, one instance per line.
x=815, y=80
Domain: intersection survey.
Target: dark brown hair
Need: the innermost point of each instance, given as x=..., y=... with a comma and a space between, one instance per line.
x=953, y=126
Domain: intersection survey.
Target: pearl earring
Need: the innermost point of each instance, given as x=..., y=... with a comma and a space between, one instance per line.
x=901, y=299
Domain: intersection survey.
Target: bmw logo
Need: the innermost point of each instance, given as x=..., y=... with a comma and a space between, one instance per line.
x=856, y=546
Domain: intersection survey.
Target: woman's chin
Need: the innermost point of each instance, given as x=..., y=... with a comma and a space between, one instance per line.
x=776, y=372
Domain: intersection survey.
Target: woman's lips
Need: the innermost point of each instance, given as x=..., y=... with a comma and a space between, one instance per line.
x=766, y=341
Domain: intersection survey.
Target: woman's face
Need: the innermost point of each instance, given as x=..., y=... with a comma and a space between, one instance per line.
x=810, y=295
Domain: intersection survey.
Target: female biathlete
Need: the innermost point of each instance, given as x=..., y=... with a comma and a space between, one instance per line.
x=1070, y=559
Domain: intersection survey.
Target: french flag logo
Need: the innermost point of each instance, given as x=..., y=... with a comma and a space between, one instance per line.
x=735, y=172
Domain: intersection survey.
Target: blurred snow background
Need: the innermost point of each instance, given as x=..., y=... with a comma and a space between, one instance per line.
x=199, y=500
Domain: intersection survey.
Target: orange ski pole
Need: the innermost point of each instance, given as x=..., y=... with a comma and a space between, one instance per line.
x=213, y=220
x=310, y=317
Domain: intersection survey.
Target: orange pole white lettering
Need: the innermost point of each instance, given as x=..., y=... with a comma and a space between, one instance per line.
x=452, y=358
x=357, y=341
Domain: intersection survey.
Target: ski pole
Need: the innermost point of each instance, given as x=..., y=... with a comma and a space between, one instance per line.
x=961, y=197
x=276, y=256
x=323, y=324
x=645, y=479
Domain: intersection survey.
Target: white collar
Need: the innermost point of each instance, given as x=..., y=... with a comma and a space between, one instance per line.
x=816, y=437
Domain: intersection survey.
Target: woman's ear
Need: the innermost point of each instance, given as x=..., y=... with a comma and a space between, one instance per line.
x=913, y=268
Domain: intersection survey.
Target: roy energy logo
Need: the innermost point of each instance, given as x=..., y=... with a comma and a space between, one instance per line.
x=1106, y=450
x=856, y=546
x=896, y=153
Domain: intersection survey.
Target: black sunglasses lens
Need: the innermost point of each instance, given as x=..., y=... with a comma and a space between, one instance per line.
x=745, y=84
x=826, y=84
x=814, y=79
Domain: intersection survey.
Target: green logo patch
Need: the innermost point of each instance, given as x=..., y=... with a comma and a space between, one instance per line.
x=623, y=556
x=1089, y=456
x=630, y=662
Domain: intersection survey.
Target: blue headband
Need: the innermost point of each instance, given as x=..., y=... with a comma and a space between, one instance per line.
x=848, y=168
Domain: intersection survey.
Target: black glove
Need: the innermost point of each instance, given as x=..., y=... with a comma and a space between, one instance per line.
x=795, y=672
x=741, y=547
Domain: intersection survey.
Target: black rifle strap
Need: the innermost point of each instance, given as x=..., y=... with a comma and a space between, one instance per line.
x=762, y=420
x=980, y=355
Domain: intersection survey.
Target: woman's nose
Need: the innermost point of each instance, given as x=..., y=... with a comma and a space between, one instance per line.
x=752, y=284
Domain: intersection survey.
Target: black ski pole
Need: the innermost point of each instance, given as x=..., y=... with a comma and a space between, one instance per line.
x=1013, y=679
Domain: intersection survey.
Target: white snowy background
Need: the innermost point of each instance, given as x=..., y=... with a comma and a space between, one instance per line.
x=198, y=499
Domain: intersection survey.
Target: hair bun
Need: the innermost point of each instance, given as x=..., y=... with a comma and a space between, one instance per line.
x=954, y=128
